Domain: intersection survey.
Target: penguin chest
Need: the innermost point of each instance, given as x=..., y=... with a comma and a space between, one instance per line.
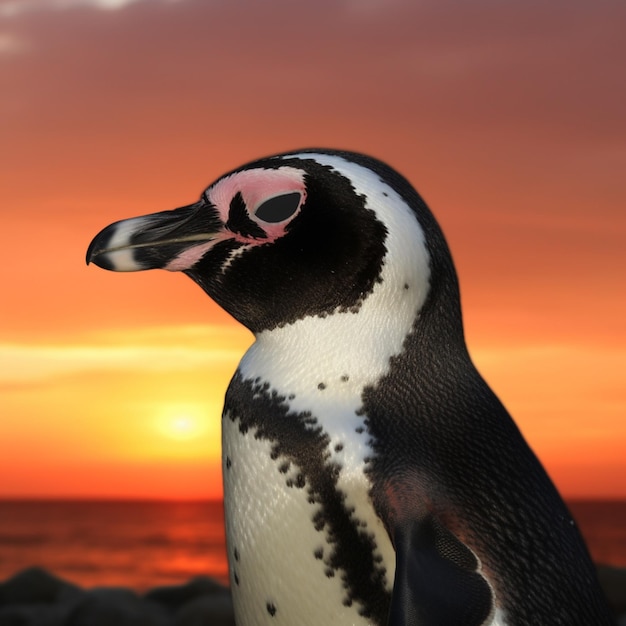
x=304, y=543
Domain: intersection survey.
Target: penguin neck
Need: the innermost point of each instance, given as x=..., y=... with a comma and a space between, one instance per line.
x=332, y=359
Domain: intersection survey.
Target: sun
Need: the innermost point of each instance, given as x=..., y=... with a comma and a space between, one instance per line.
x=182, y=431
x=183, y=426
x=182, y=423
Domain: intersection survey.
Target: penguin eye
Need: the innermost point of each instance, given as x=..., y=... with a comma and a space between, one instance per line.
x=278, y=208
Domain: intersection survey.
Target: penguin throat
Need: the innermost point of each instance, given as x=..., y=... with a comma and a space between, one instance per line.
x=332, y=359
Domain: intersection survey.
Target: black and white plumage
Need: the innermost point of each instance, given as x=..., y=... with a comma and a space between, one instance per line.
x=370, y=474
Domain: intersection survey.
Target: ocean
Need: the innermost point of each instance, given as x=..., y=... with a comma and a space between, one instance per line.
x=141, y=545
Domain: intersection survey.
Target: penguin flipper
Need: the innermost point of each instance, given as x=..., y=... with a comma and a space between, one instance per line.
x=437, y=579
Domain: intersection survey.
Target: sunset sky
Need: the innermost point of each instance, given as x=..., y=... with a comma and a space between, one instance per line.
x=508, y=117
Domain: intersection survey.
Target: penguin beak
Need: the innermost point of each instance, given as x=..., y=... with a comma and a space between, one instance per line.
x=157, y=241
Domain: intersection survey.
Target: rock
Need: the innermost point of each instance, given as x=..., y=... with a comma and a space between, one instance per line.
x=208, y=610
x=174, y=597
x=613, y=582
x=200, y=602
x=34, y=597
x=111, y=606
x=37, y=586
x=34, y=615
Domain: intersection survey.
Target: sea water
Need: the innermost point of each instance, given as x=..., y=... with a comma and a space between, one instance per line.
x=146, y=544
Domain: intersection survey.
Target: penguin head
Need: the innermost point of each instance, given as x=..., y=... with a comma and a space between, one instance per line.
x=303, y=234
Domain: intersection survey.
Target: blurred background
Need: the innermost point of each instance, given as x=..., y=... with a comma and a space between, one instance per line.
x=507, y=117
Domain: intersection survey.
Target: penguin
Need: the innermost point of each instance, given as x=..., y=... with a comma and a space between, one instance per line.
x=371, y=476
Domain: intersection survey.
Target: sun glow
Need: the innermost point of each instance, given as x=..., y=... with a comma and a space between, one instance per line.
x=183, y=423
x=183, y=431
x=183, y=426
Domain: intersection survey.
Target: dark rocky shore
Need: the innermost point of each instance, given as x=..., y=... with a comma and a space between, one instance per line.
x=34, y=597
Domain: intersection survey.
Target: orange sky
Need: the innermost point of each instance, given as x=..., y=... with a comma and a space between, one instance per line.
x=508, y=117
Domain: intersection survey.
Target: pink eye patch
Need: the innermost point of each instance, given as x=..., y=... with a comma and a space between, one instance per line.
x=277, y=188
